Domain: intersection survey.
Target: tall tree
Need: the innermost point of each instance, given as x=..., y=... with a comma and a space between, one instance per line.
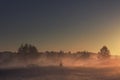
x=27, y=50
x=104, y=52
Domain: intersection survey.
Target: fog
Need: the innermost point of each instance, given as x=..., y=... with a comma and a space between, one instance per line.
x=73, y=62
x=65, y=61
x=44, y=68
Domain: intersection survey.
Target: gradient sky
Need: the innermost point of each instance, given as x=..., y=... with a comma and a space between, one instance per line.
x=69, y=25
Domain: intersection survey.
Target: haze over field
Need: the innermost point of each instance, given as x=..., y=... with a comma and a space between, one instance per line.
x=28, y=64
x=72, y=69
x=28, y=56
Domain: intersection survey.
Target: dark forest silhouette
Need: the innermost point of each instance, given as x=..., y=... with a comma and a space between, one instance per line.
x=30, y=50
x=32, y=60
x=28, y=54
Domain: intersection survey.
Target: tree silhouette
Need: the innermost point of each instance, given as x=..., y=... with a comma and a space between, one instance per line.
x=82, y=55
x=27, y=50
x=104, y=52
x=85, y=55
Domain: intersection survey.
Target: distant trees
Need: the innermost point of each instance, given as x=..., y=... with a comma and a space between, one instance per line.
x=83, y=54
x=27, y=50
x=53, y=55
x=29, y=55
x=30, y=51
x=104, y=53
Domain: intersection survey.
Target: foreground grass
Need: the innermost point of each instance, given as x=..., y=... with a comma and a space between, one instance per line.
x=59, y=73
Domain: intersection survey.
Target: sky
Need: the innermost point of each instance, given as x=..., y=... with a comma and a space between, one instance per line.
x=68, y=25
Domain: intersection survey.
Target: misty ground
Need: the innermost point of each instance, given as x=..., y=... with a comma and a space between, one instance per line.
x=49, y=68
x=60, y=73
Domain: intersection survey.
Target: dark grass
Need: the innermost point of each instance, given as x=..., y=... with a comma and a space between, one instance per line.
x=57, y=73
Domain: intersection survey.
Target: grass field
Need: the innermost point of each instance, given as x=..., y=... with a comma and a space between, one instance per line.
x=59, y=73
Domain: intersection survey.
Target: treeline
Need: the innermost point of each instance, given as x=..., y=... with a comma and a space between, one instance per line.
x=28, y=51
x=28, y=54
x=31, y=51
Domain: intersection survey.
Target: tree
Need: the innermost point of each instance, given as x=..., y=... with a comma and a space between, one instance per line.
x=27, y=50
x=104, y=52
x=85, y=55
